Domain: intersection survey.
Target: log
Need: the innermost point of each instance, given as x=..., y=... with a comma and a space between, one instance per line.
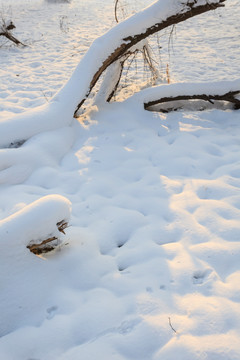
x=229, y=97
x=209, y=91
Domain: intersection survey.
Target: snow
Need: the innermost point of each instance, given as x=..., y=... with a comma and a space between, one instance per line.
x=149, y=266
x=185, y=89
x=32, y=224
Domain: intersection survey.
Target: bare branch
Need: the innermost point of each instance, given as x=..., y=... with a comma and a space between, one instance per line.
x=170, y=324
x=228, y=96
x=50, y=243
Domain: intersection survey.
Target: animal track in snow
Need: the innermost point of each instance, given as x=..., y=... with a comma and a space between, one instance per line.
x=51, y=311
x=235, y=173
x=201, y=276
x=213, y=150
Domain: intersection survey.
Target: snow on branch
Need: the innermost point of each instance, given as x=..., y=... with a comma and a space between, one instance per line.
x=35, y=226
x=111, y=48
x=118, y=41
x=21, y=271
x=219, y=91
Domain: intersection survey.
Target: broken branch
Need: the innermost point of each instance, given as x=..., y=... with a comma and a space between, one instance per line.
x=228, y=91
x=229, y=96
x=5, y=30
x=50, y=243
x=10, y=37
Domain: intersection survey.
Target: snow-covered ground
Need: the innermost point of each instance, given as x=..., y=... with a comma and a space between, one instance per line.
x=149, y=267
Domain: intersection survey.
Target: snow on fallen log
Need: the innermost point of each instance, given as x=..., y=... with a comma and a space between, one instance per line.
x=26, y=280
x=103, y=52
x=115, y=43
x=221, y=90
x=48, y=117
x=45, y=149
x=33, y=226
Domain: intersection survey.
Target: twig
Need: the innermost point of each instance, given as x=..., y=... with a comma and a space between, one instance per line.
x=62, y=225
x=134, y=54
x=115, y=10
x=170, y=324
x=170, y=40
x=148, y=59
x=48, y=244
x=45, y=96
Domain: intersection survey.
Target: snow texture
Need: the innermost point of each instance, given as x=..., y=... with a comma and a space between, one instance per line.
x=149, y=266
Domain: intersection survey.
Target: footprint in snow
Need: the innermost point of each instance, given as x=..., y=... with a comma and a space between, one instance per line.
x=51, y=312
x=201, y=276
x=128, y=326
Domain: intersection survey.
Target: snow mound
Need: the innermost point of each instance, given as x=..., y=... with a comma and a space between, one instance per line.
x=34, y=223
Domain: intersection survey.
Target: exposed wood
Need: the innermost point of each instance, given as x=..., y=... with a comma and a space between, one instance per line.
x=192, y=10
x=50, y=243
x=43, y=247
x=110, y=96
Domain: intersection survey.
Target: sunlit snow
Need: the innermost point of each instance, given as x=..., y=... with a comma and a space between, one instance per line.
x=148, y=267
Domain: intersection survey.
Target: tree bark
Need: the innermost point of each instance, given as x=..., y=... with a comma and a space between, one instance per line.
x=111, y=81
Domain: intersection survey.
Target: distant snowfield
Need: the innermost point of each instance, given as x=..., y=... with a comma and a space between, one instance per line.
x=149, y=266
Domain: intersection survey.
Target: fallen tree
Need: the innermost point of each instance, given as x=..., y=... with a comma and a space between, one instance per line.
x=107, y=52
x=20, y=157
x=119, y=41
x=122, y=40
x=37, y=226
x=227, y=91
